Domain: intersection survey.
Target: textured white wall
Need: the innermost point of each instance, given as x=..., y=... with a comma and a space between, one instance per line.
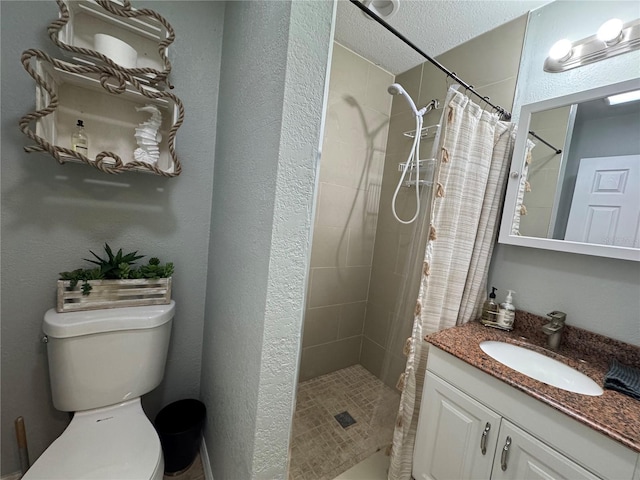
x=51, y=216
x=598, y=294
x=274, y=66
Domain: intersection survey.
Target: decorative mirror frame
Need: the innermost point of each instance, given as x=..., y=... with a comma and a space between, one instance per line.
x=517, y=165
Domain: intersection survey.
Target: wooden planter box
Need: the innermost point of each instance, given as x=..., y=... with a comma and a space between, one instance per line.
x=113, y=294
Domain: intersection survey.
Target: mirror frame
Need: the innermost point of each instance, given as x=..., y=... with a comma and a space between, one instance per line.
x=517, y=164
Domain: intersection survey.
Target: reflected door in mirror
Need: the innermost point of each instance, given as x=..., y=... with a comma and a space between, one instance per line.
x=605, y=208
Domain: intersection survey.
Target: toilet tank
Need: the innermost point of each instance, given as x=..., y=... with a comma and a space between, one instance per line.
x=102, y=357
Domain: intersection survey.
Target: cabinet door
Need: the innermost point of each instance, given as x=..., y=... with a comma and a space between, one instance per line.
x=456, y=436
x=520, y=456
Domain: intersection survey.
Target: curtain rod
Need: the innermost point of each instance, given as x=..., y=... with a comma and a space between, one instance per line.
x=505, y=114
x=533, y=134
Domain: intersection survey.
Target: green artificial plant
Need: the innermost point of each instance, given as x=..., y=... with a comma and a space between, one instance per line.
x=116, y=267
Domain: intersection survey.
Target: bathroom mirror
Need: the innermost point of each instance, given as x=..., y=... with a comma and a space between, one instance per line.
x=585, y=199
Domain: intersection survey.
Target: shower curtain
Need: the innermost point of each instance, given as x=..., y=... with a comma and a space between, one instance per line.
x=523, y=187
x=475, y=149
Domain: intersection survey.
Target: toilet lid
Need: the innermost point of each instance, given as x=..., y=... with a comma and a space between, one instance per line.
x=105, y=444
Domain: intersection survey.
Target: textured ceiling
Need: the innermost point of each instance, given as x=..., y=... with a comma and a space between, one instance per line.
x=434, y=26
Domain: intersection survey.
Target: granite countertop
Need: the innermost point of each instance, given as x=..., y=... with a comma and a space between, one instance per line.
x=613, y=414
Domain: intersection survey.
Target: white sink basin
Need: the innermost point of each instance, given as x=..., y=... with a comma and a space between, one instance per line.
x=541, y=367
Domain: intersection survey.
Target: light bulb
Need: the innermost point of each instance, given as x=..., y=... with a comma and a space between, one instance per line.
x=561, y=50
x=610, y=32
x=633, y=96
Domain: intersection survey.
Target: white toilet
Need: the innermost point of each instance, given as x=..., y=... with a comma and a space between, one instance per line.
x=100, y=363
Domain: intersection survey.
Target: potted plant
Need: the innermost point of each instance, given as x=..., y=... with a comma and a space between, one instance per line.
x=115, y=281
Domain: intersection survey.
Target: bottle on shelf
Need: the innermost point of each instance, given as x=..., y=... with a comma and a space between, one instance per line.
x=79, y=139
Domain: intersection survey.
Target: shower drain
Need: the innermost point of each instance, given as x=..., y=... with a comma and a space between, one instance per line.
x=344, y=419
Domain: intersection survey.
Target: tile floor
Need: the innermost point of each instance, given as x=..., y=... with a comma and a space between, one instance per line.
x=194, y=472
x=375, y=467
x=321, y=449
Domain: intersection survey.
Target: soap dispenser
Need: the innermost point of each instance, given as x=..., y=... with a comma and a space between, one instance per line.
x=490, y=309
x=507, y=312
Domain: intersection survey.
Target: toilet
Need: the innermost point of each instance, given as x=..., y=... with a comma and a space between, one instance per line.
x=100, y=363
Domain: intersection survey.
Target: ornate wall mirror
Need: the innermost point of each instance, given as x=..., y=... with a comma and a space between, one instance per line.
x=585, y=199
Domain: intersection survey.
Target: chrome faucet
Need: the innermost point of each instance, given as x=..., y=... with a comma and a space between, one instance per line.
x=554, y=328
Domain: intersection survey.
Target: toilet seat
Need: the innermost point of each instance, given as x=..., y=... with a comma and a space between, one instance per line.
x=116, y=442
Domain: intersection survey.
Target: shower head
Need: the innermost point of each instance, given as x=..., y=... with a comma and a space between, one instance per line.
x=396, y=89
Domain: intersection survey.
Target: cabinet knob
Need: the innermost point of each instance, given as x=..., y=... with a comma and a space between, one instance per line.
x=483, y=438
x=505, y=454
x=515, y=175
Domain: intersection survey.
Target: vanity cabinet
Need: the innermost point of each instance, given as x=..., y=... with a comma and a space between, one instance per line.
x=457, y=436
x=520, y=455
x=474, y=426
x=460, y=438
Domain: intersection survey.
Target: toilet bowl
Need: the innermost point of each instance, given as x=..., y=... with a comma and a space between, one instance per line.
x=109, y=443
x=100, y=363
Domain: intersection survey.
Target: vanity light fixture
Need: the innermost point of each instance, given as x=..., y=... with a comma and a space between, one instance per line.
x=632, y=96
x=613, y=38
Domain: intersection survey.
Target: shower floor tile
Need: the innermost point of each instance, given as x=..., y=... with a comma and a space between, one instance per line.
x=321, y=448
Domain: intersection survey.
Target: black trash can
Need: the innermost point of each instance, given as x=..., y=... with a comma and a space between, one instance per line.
x=179, y=426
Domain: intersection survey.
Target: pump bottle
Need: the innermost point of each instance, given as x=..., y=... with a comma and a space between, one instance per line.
x=490, y=308
x=507, y=312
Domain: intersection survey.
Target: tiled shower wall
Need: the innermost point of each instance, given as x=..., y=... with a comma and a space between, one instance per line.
x=490, y=62
x=346, y=213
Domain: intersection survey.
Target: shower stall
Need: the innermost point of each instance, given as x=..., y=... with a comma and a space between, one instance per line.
x=365, y=264
x=356, y=319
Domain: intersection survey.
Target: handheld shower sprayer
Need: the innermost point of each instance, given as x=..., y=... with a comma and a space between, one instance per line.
x=414, y=156
x=396, y=89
